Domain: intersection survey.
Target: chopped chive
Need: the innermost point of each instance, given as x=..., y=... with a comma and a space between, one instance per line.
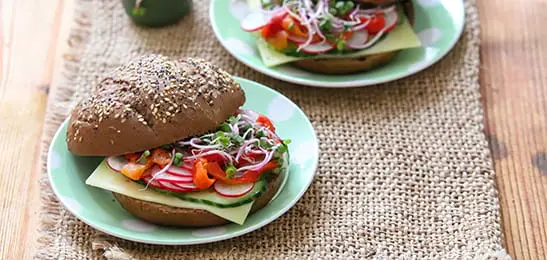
x=178, y=156
x=291, y=26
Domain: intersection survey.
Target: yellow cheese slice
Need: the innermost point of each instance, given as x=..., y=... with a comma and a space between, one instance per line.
x=401, y=37
x=105, y=178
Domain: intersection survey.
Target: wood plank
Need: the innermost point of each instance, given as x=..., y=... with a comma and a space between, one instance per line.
x=28, y=39
x=513, y=79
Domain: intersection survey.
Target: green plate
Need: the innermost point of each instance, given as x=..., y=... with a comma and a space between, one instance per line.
x=98, y=208
x=438, y=23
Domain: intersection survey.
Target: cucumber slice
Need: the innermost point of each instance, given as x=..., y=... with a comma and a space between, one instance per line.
x=210, y=197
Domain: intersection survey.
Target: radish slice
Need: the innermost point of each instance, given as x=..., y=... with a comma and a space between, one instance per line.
x=391, y=19
x=174, y=178
x=179, y=171
x=300, y=40
x=233, y=190
x=297, y=39
x=318, y=48
x=153, y=183
x=187, y=186
x=255, y=21
x=171, y=186
x=357, y=39
x=116, y=163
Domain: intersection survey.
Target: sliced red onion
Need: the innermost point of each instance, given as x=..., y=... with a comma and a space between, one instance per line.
x=361, y=26
x=222, y=153
x=235, y=129
x=354, y=12
x=198, y=146
x=243, y=146
x=258, y=166
x=154, y=175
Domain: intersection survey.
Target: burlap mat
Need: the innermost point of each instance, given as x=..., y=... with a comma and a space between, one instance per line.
x=404, y=172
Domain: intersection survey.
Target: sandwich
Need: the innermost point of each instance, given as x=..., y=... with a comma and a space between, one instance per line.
x=331, y=37
x=178, y=148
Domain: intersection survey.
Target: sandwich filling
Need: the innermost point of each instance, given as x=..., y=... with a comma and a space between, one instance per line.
x=288, y=30
x=223, y=171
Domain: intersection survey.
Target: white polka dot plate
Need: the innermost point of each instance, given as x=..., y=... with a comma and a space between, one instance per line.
x=438, y=24
x=98, y=208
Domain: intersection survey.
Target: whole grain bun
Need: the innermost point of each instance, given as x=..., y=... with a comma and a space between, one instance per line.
x=352, y=65
x=149, y=102
x=182, y=217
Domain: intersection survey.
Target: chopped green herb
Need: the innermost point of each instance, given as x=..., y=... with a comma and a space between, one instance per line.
x=222, y=139
x=291, y=26
x=349, y=5
x=224, y=127
x=230, y=171
x=177, y=162
x=260, y=133
x=326, y=26
x=178, y=156
x=237, y=140
x=232, y=120
x=333, y=11
x=340, y=45
x=244, y=128
x=264, y=144
x=284, y=147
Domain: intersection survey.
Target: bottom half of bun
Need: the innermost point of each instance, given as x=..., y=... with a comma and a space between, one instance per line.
x=345, y=66
x=183, y=217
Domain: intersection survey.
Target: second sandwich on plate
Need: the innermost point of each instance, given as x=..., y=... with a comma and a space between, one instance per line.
x=331, y=36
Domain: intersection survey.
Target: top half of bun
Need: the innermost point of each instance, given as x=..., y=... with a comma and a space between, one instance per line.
x=149, y=102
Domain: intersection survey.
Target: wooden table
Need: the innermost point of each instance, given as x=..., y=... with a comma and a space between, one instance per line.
x=33, y=36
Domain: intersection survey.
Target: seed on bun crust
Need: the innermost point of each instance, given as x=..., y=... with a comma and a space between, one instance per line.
x=152, y=101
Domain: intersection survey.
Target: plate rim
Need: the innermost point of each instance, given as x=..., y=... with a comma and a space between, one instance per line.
x=348, y=84
x=196, y=240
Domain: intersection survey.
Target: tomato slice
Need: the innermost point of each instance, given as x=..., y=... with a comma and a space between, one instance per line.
x=376, y=24
x=270, y=30
x=265, y=122
x=278, y=17
x=215, y=158
x=294, y=27
x=279, y=41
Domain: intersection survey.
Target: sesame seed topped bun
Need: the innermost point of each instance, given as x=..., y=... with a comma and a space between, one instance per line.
x=149, y=102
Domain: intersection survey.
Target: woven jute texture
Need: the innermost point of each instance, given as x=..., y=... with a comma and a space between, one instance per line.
x=404, y=171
